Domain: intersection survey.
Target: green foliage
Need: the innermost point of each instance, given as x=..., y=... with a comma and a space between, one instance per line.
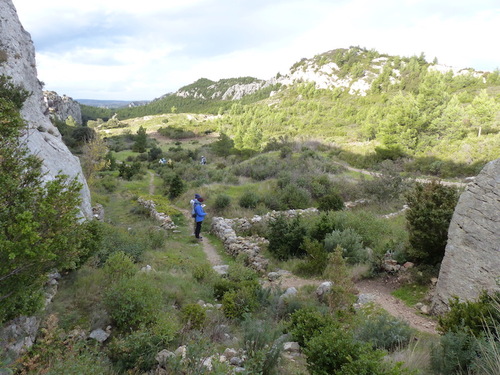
x=116, y=239
x=430, y=210
x=119, y=266
x=221, y=202
x=237, y=303
x=39, y=225
x=193, y=316
x=262, y=346
x=331, y=202
x=454, y=354
x=316, y=259
x=134, y=352
x=286, y=237
x=176, y=132
x=249, y=199
x=307, y=323
x=133, y=302
x=177, y=186
x=350, y=242
x=128, y=171
x=474, y=317
x=10, y=92
x=384, y=331
x=141, y=141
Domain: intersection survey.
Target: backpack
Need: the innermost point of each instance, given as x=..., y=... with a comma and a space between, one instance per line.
x=193, y=204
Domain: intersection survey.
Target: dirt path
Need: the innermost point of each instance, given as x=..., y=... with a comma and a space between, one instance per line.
x=421, y=180
x=151, y=183
x=381, y=291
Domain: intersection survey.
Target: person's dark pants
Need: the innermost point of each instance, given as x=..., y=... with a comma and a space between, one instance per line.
x=198, y=229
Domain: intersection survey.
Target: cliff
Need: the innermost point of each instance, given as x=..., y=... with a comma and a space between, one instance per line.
x=17, y=60
x=472, y=258
x=62, y=107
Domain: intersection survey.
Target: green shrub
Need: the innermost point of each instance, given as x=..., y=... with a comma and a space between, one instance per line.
x=119, y=265
x=132, y=302
x=237, y=303
x=331, y=202
x=193, y=316
x=475, y=317
x=203, y=272
x=334, y=351
x=134, y=353
x=350, y=242
x=222, y=286
x=454, y=354
x=221, y=202
x=428, y=219
x=261, y=344
x=383, y=331
x=286, y=237
x=249, y=199
x=295, y=197
x=307, y=323
x=315, y=261
x=166, y=327
x=119, y=239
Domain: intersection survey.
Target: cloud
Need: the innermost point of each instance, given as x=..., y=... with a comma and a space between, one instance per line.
x=122, y=49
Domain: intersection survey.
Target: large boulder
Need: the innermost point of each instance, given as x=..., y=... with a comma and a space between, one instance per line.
x=471, y=262
x=17, y=60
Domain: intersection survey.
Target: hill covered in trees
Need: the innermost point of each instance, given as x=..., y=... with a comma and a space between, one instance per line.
x=371, y=105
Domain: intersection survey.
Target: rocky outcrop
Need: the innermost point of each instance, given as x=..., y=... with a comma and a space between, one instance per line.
x=62, y=107
x=471, y=262
x=17, y=60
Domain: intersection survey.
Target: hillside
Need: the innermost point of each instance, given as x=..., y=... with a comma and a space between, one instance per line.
x=371, y=106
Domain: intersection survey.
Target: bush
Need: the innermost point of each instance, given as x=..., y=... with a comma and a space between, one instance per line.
x=286, y=237
x=331, y=202
x=135, y=352
x=316, y=259
x=430, y=210
x=222, y=201
x=307, y=323
x=295, y=197
x=454, y=354
x=350, y=242
x=237, y=303
x=193, y=316
x=261, y=344
x=476, y=317
x=132, y=302
x=383, y=331
x=249, y=199
x=118, y=266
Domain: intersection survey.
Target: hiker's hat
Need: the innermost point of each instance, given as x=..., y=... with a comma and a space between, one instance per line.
x=197, y=196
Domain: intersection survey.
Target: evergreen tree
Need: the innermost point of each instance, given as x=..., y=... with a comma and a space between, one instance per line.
x=141, y=141
x=39, y=223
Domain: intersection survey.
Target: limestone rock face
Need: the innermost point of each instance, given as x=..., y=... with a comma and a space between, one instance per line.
x=62, y=107
x=472, y=258
x=17, y=60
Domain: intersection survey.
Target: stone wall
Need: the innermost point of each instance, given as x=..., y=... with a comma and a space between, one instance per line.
x=17, y=60
x=472, y=258
x=250, y=247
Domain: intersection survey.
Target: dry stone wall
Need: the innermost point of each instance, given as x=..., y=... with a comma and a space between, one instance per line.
x=472, y=258
x=250, y=247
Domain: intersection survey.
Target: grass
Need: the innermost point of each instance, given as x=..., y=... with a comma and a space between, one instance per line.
x=411, y=294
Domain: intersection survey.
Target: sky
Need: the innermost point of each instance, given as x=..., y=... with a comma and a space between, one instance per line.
x=143, y=49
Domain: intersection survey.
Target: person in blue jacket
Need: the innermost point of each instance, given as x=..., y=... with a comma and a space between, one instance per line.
x=200, y=215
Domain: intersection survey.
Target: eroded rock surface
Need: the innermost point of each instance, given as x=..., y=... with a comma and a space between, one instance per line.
x=472, y=257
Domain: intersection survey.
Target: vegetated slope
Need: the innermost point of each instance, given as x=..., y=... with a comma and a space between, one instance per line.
x=376, y=106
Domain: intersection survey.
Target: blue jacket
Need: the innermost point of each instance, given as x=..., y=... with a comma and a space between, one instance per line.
x=200, y=214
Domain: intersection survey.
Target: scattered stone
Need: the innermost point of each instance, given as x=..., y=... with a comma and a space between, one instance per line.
x=163, y=357
x=323, y=289
x=291, y=347
x=222, y=269
x=99, y=335
x=146, y=268
x=236, y=361
x=230, y=353
x=408, y=265
x=273, y=276
x=181, y=351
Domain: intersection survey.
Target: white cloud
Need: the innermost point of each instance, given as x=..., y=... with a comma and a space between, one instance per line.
x=123, y=49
